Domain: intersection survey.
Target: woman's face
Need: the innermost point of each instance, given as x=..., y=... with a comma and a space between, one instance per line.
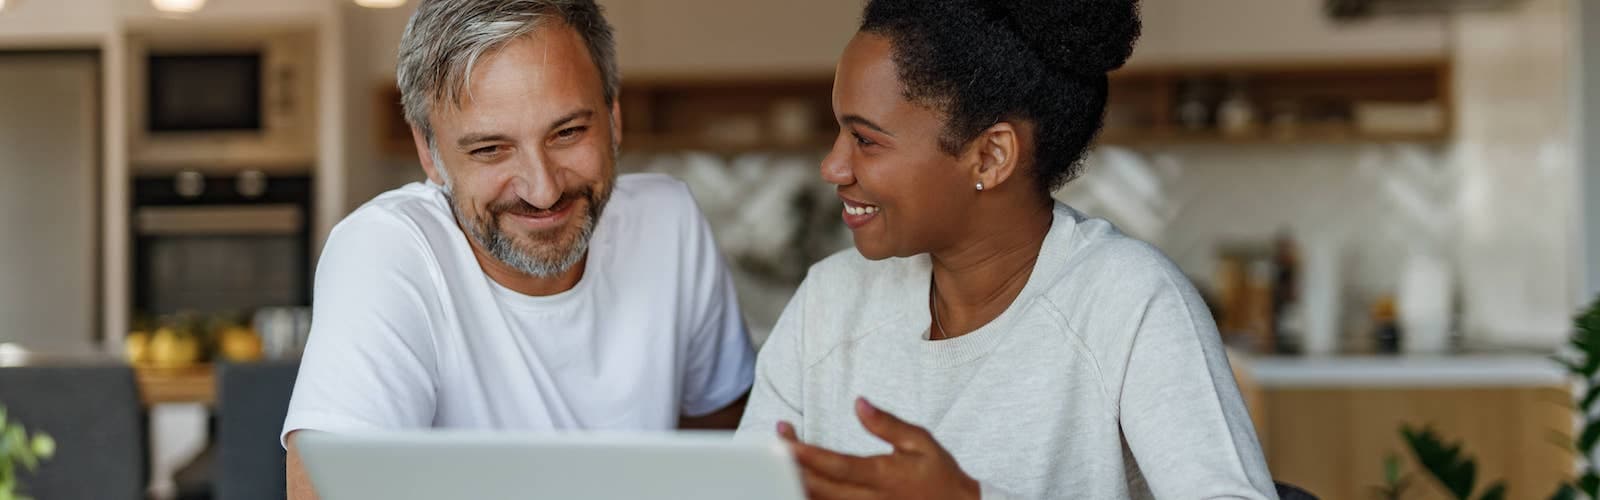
x=902, y=194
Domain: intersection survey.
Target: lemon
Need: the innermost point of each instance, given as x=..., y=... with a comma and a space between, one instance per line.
x=240, y=344
x=136, y=347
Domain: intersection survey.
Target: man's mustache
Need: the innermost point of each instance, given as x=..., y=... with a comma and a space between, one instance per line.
x=523, y=208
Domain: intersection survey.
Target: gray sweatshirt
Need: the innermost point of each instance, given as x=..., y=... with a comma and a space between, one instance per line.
x=1104, y=379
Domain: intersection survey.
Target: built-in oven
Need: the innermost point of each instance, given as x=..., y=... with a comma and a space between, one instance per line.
x=220, y=244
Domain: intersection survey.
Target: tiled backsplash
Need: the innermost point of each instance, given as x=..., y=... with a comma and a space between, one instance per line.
x=1370, y=204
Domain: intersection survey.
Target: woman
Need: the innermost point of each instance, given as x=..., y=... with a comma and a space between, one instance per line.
x=982, y=339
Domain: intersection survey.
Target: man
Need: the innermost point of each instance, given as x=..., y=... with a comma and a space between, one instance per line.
x=526, y=285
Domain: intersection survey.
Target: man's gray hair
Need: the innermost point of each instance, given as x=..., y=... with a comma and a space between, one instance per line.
x=445, y=38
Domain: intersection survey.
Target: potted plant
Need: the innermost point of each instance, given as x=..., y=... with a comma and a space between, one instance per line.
x=1456, y=470
x=18, y=447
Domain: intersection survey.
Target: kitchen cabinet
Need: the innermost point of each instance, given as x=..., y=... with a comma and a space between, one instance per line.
x=1326, y=424
x=1187, y=32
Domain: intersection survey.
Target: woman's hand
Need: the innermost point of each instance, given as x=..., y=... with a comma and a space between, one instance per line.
x=919, y=468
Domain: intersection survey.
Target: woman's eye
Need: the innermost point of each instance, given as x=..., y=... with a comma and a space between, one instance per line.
x=862, y=140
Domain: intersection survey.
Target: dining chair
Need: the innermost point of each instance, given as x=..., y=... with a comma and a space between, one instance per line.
x=93, y=411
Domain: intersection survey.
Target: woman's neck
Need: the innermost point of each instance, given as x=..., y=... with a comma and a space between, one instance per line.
x=975, y=281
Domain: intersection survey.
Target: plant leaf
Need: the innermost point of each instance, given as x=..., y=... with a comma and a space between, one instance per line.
x=1496, y=491
x=1391, y=469
x=1589, y=397
x=1452, y=469
x=1572, y=367
x=44, y=446
x=1565, y=492
x=1589, y=484
x=1587, y=440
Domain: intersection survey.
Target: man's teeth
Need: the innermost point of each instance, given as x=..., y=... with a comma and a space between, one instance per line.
x=860, y=210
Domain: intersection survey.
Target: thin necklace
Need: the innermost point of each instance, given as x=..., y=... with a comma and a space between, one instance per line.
x=934, y=299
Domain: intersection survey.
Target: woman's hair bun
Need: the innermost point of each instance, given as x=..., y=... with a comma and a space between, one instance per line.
x=1076, y=36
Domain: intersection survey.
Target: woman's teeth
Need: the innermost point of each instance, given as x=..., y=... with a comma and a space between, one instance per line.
x=860, y=210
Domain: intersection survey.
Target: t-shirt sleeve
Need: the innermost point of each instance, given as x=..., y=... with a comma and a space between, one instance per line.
x=369, y=359
x=779, y=375
x=720, y=360
x=1180, y=408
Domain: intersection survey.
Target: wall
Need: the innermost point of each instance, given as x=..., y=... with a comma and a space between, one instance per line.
x=1587, y=92
x=34, y=23
x=373, y=40
x=1497, y=198
x=48, y=175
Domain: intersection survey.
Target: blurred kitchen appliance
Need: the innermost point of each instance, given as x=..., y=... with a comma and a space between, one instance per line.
x=217, y=102
x=220, y=243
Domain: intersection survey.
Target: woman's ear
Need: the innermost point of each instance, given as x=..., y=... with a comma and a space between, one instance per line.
x=998, y=150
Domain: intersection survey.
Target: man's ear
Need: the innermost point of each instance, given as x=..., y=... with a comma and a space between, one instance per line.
x=426, y=155
x=616, y=122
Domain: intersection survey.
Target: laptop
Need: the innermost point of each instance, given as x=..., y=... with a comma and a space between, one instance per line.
x=430, y=465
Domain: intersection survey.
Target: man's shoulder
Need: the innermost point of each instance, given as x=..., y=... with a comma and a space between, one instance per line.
x=653, y=194
x=654, y=208
x=405, y=223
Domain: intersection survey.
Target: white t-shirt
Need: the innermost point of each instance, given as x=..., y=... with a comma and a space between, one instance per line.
x=408, y=332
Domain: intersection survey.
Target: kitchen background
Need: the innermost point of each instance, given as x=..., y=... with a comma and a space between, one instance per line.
x=1385, y=201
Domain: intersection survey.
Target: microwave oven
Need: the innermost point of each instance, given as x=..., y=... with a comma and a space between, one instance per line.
x=231, y=104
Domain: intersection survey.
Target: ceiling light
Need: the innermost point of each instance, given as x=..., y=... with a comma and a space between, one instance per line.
x=376, y=4
x=178, y=6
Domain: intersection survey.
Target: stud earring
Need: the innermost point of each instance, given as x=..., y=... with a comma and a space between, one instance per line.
x=980, y=186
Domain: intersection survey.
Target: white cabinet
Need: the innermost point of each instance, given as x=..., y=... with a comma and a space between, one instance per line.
x=1232, y=31
x=719, y=37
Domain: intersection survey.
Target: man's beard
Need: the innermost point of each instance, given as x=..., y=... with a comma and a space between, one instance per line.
x=551, y=252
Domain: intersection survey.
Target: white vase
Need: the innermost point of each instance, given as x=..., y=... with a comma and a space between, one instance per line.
x=1424, y=302
x=1319, y=294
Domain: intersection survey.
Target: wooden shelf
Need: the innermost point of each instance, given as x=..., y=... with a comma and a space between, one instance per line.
x=190, y=384
x=1321, y=101
x=1343, y=135
x=684, y=113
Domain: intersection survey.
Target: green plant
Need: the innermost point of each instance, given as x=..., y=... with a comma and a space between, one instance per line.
x=1454, y=469
x=1584, y=363
x=1394, y=483
x=17, y=447
x=1457, y=471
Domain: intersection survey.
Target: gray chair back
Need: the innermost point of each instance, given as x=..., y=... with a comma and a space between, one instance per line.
x=1291, y=492
x=252, y=401
x=94, y=414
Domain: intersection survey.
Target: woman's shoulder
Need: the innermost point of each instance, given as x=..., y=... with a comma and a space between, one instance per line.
x=1099, y=266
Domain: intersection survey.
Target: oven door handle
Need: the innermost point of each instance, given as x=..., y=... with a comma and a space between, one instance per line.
x=247, y=220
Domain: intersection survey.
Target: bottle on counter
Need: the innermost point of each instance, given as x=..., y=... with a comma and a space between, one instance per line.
x=1287, y=319
x=1385, y=326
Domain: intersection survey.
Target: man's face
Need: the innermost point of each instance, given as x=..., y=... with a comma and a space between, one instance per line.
x=528, y=157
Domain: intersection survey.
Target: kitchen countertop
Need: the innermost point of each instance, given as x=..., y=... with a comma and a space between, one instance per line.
x=1441, y=371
